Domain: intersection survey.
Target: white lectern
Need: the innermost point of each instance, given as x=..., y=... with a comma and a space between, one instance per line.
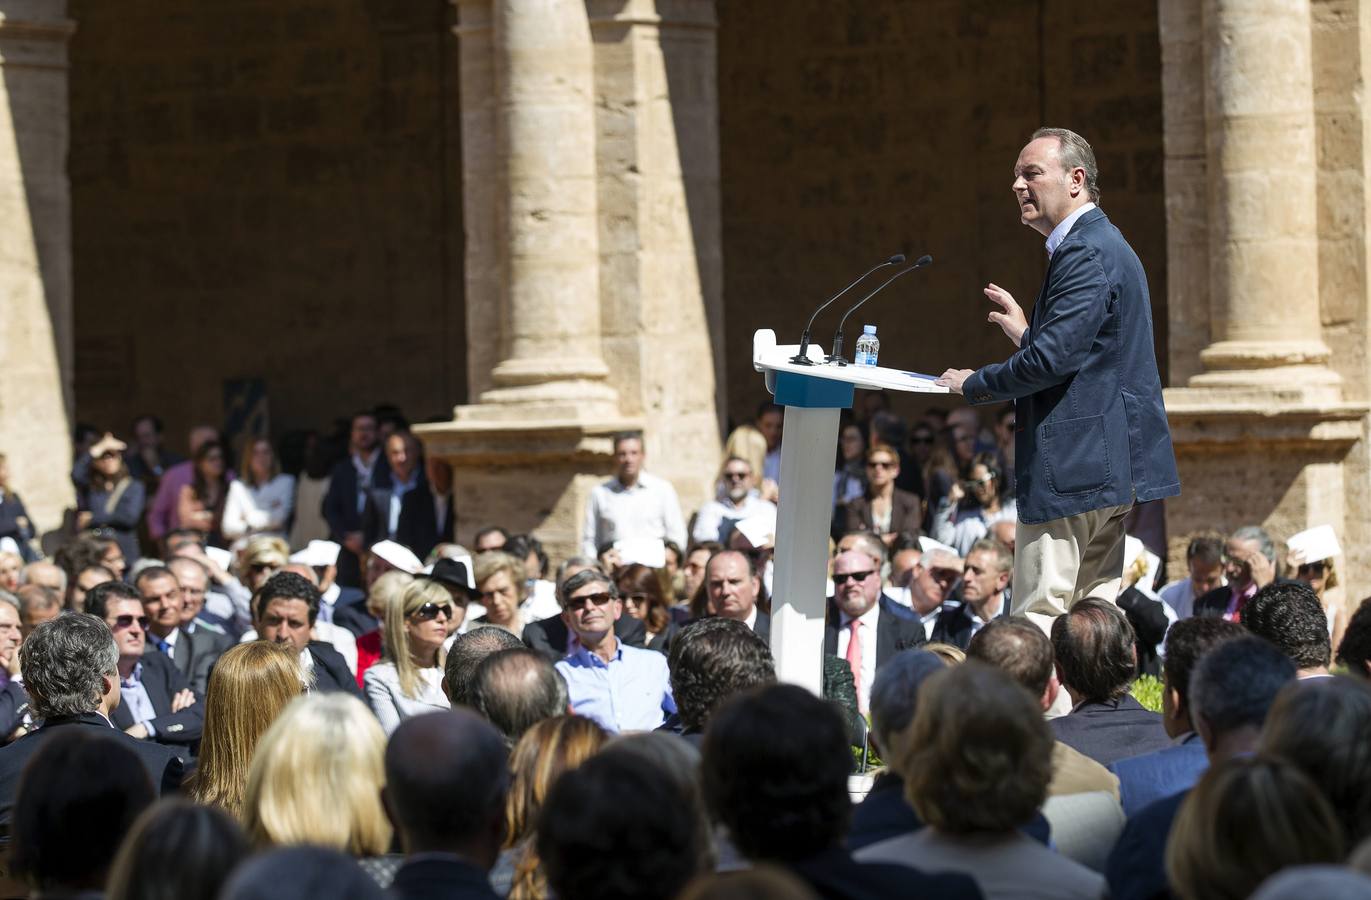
x=812, y=396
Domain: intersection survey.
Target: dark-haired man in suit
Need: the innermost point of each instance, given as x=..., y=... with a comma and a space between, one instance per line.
x=402, y=509
x=284, y=610
x=349, y=484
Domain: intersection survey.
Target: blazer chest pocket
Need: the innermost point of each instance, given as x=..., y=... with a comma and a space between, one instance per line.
x=1076, y=455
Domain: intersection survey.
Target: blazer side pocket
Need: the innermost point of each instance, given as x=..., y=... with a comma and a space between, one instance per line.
x=1076, y=455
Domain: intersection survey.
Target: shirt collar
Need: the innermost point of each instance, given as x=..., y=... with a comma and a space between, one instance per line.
x=135, y=677
x=751, y=619
x=1054, y=240
x=868, y=618
x=589, y=657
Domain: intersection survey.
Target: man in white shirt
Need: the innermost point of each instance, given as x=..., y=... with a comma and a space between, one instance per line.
x=716, y=518
x=632, y=504
x=935, y=575
x=863, y=627
x=1204, y=559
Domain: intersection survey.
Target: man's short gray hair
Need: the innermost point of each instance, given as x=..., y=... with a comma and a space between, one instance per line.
x=1075, y=152
x=583, y=578
x=63, y=661
x=1265, y=545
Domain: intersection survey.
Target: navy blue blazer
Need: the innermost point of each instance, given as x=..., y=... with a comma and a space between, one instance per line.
x=162, y=680
x=1091, y=429
x=1152, y=776
x=1136, y=869
x=417, y=525
x=1109, y=730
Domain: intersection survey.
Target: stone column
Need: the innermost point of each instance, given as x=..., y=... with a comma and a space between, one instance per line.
x=35, y=256
x=1261, y=427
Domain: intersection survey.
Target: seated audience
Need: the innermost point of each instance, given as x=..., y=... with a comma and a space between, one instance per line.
x=177, y=849
x=251, y=685
x=551, y=636
x=408, y=680
x=1161, y=773
x=1323, y=727
x=446, y=783
x=619, y=827
x=1204, y=564
x=76, y=801
x=193, y=653
x=737, y=499
x=502, y=589
x=1096, y=660
x=1247, y=819
x=862, y=625
x=988, y=569
x=156, y=702
x=301, y=873
x=964, y=516
x=546, y=750
x=43, y=573
x=194, y=580
x=776, y=761
x=1249, y=564
x=108, y=498
x=733, y=590
x=465, y=656
x=517, y=689
x=386, y=589
x=1231, y=689
x=316, y=778
x=711, y=660
x=883, y=508
x=1290, y=616
x=645, y=598
x=262, y=499
x=976, y=773
x=285, y=608
x=621, y=687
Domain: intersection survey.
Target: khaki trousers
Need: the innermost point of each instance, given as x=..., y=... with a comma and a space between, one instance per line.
x=1061, y=562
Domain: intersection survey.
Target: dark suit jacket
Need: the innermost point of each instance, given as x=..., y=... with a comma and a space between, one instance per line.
x=884, y=814
x=15, y=523
x=417, y=526
x=196, y=653
x=163, y=767
x=162, y=680
x=1092, y=431
x=906, y=513
x=14, y=703
x=954, y=626
x=341, y=512
x=896, y=629
x=549, y=636
x=331, y=672
x=1111, y=730
x=1149, y=621
x=835, y=875
x=1215, y=602
x=439, y=878
x=1145, y=779
x=1137, y=866
x=350, y=612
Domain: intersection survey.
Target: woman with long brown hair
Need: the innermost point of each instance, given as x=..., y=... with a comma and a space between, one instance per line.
x=249, y=687
x=201, y=503
x=645, y=598
x=546, y=750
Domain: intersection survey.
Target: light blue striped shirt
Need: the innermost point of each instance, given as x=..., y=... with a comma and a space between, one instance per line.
x=632, y=692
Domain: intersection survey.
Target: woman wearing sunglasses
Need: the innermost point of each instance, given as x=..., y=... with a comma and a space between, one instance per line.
x=109, y=499
x=884, y=509
x=408, y=681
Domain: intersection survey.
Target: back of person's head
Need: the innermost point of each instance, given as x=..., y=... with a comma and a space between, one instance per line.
x=1093, y=646
x=1323, y=726
x=446, y=781
x=301, y=873
x=711, y=660
x=618, y=827
x=467, y=652
x=316, y=778
x=895, y=691
x=1186, y=642
x=1018, y=648
x=77, y=798
x=177, y=851
x=65, y=662
x=98, y=598
x=673, y=757
x=1246, y=819
x=517, y=689
x=776, y=761
x=1289, y=615
x=250, y=685
x=758, y=882
x=1355, y=650
x=286, y=586
x=979, y=755
x=1235, y=684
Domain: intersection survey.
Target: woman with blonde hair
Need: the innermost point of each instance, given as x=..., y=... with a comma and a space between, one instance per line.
x=409, y=679
x=389, y=587
x=546, y=750
x=501, y=587
x=249, y=687
x=316, y=779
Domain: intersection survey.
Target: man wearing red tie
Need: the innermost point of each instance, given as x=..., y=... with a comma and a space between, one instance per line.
x=864, y=626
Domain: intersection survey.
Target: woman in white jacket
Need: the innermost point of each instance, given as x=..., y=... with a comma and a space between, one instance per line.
x=408, y=681
x=261, y=500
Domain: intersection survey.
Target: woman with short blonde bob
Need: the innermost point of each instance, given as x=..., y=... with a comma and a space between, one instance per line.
x=250, y=686
x=409, y=679
x=316, y=779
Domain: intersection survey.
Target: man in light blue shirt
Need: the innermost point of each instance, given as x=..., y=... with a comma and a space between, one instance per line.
x=622, y=688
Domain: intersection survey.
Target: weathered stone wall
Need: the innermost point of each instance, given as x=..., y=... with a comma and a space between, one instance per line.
x=266, y=189
x=850, y=131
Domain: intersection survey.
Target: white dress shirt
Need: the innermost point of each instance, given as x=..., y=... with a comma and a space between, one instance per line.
x=867, y=632
x=648, y=509
x=715, y=515
x=250, y=511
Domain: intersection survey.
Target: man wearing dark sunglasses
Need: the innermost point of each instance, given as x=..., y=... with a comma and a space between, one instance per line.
x=623, y=688
x=158, y=703
x=864, y=626
x=716, y=518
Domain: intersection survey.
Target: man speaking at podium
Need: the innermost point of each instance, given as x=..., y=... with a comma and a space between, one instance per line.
x=1092, y=436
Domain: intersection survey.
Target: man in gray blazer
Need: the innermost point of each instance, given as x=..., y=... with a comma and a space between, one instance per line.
x=1092, y=436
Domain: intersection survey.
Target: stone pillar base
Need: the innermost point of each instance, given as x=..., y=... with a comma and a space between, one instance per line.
x=1279, y=459
x=527, y=470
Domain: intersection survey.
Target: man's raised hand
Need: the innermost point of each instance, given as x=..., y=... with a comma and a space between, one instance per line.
x=1009, y=316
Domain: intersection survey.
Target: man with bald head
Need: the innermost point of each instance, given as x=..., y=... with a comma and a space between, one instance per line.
x=732, y=586
x=46, y=574
x=447, y=775
x=516, y=689
x=864, y=626
x=37, y=604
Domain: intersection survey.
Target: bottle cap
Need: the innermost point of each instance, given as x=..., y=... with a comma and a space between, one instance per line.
x=868, y=329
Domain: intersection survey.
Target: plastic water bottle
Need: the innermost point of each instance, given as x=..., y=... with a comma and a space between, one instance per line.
x=868, y=346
